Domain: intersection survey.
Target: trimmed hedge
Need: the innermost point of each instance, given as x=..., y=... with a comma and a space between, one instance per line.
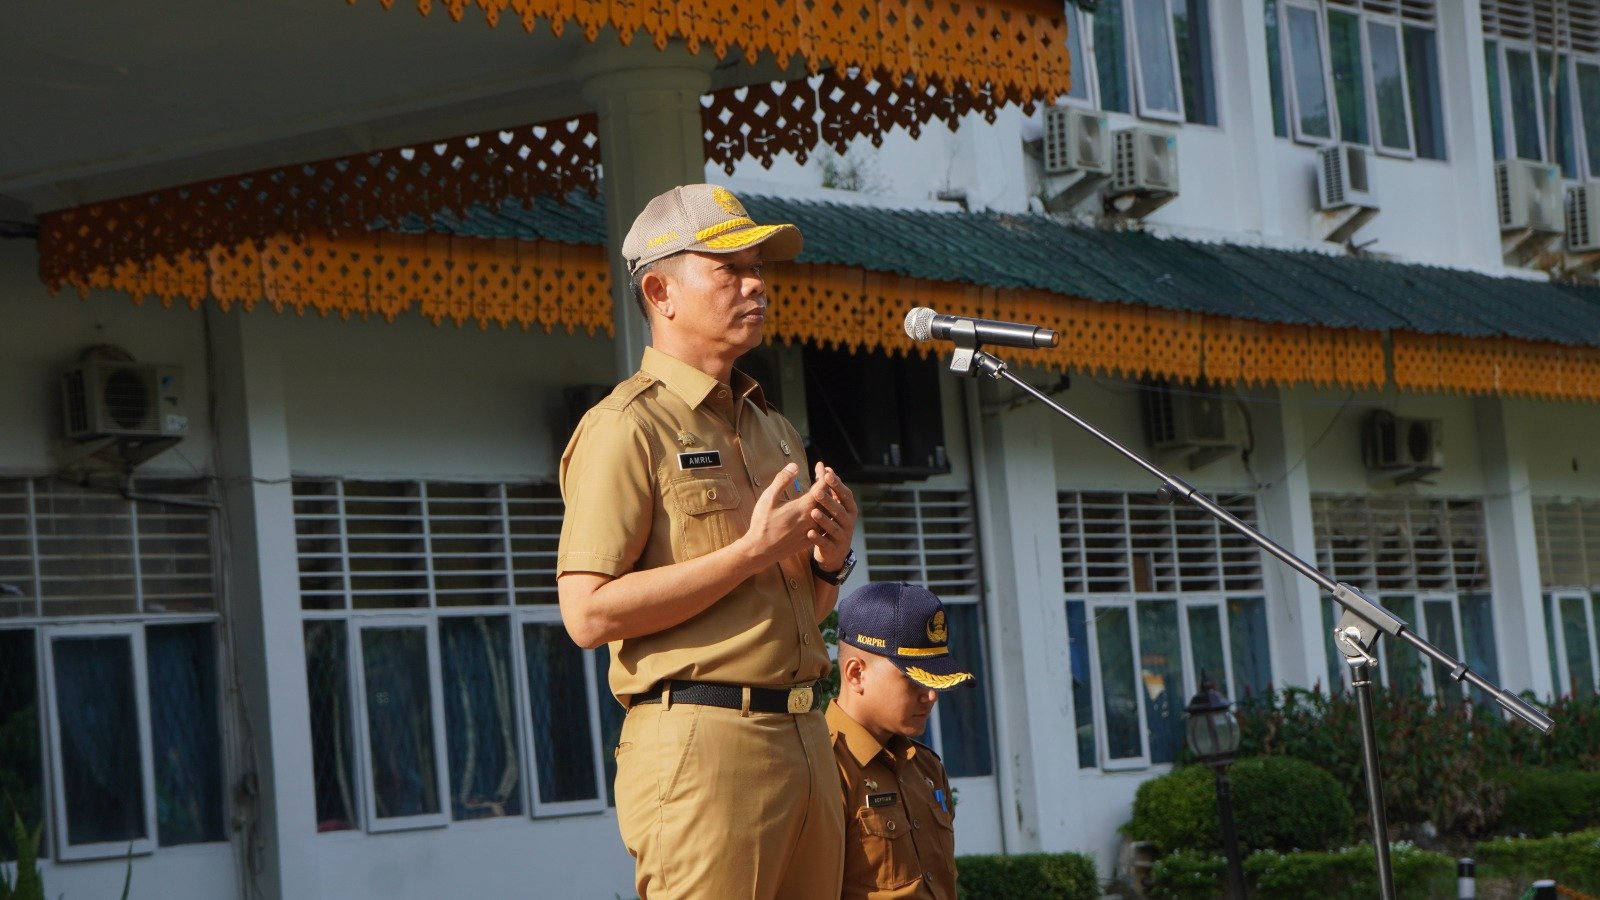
x=1178, y=811
x=1542, y=802
x=1573, y=861
x=1348, y=874
x=1027, y=876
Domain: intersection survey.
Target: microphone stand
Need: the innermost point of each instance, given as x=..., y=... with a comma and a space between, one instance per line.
x=1355, y=637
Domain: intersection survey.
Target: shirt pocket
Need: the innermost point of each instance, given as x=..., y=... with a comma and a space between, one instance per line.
x=884, y=838
x=702, y=512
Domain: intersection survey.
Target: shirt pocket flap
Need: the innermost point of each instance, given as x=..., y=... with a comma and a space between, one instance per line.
x=889, y=822
x=697, y=495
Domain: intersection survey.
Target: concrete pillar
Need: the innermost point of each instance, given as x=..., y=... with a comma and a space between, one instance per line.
x=1300, y=643
x=1513, y=547
x=1244, y=100
x=651, y=140
x=1467, y=130
x=1015, y=471
x=263, y=606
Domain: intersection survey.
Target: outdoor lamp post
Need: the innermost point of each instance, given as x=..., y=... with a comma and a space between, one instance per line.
x=1213, y=735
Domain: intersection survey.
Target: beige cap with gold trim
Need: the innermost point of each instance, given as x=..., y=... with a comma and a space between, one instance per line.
x=707, y=218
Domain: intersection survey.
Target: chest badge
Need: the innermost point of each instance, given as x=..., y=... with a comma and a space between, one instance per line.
x=876, y=800
x=785, y=446
x=687, y=438
x=703, y=459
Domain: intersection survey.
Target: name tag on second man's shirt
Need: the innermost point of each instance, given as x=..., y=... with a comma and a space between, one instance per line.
x=704, y=459
x=876, y=800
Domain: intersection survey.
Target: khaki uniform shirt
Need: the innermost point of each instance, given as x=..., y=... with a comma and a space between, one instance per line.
x=900, y=838
x=668, y=468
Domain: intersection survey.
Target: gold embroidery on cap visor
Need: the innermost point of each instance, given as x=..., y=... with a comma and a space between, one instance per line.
x=937, y=682
x=922, y=651
x=738, y=240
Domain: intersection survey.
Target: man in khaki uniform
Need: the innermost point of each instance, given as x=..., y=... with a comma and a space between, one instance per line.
x=894, y=659
x=698, y=546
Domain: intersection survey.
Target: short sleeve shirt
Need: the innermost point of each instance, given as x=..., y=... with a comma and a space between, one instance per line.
x=900, y=839
x=666, y=469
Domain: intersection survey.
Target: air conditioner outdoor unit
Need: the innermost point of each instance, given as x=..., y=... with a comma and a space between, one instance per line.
x=1147, y=160
x=1344, y=178
x=1402, y=448
x=1197, y=421
x=1076, y=140
x=103, y=398
x=1529, y=195
x=1583, y=218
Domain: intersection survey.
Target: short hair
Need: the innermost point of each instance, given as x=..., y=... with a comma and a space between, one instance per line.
x=665, y=265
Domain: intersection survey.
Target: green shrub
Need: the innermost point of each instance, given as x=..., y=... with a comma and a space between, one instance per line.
x=1027, y=876
x=28, y=885
x=1178, y=811
x=1349, y=873
x=1573, y=861
x=1541, y=802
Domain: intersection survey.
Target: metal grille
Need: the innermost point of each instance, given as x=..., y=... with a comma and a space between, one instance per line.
x=411, y=544
x=1568, y=532
x=1421, y=12
x=923, y=536
x=1402, y=543
x=66, y=550
x=1569, y=24
x=1116, y=543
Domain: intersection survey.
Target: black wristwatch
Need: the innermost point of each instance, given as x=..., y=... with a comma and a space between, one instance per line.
x=835, y=578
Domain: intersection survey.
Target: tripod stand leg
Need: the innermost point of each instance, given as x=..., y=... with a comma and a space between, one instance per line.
x=1362, y=682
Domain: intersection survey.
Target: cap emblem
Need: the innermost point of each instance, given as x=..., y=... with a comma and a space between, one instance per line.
x=936, y=630
x=729, y=203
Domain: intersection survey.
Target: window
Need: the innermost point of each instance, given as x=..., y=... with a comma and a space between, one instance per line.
x=431, y=614
x=1149, y=57
x=1359, y=72
x=926, y=536
x=1568, y=534
x=1530, y=44
x=121, y=719
x=1425, y=560
x=1159, y=600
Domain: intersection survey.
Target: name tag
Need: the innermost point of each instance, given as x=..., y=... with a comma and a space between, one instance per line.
x=705, y=459
x=876, y=800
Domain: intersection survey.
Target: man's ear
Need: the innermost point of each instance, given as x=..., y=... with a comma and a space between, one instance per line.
x=657, y=294
x=851, y=671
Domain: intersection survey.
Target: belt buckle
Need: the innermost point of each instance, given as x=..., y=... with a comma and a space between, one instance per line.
x=800, y=698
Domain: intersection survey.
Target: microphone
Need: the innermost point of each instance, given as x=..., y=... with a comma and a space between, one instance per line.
x=923, y=324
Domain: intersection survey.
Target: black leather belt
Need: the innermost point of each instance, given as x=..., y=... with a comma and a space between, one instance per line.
x=799, y=699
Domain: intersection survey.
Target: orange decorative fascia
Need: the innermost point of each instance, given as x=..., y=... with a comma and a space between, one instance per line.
x=1017, y=46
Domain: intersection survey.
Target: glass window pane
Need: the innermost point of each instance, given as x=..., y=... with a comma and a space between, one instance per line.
x=1566, y=149
x=563, y=738
x=1438, y=617
x=479, y=714
x=1427, y=103
x=102, y=772
x=21, y=769
x=1524, y=104
x=1280, y=107
x=1110, y=61
x=332, y=759
x=964, y=712
x=1497, y=128
x=1349, y=76
x=1550, y=643
x=1247, y=642
x=1075, y=57
x=1205, y=648
x=1589, y=107
x=611, y=716
x=394, y=669
x=1331, y=612
x=1114, y=639
x=1575, y=632
x=1158, y=76
x=1161, y=671
x=1191, y=30
x=1315, y=118
x=185, y=733
x=1477, y=632
x=1082, y=682
x=1403, y=665
x=1389, y=85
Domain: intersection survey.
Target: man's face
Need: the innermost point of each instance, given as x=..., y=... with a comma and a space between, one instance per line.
x=720, y=299
x=893, y=701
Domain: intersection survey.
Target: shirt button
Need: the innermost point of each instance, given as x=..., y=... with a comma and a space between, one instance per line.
x=805, y=639
x=891, y=824
x=916, y=823
x=711, y=494
x=929, y=781
x=722, y=395
x=794, y=584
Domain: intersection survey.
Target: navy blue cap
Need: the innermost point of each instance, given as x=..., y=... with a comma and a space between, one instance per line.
x=905, y=624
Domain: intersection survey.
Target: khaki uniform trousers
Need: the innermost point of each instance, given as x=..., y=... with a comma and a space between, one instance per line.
x=716, y=804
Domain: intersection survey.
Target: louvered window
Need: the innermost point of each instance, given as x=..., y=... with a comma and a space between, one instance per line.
x=1568, y=534
x=1159, y=599
x=1520, y=36
x=69, y=551
x=929, y=537
x=442, y=684
x=1427, y=561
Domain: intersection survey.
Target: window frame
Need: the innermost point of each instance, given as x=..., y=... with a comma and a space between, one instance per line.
x=428, y=624
x=1374, y=115
x=1508, y=117
x=1085, y=68
x=537, y=808
x=65, y=851
x=1292, y=95
x=1128, y=605
x=1088, y=67
x=1561, y=664
x=1141, y=105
